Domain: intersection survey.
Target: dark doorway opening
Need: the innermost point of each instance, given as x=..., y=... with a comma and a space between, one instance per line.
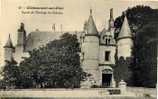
x=106, y=80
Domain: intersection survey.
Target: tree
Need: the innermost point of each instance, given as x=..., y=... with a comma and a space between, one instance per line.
x=137, y=16
x=122, y=70
x=143, y=23
x=56, y=65
x=10, y=75
x=146, y=56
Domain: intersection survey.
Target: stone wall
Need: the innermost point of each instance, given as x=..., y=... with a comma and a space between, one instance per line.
x=93, y=93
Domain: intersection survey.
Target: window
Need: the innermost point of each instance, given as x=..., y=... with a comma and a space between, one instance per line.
x=109, y=41
x=107, y=55
x=82, y=56
x=106, y=42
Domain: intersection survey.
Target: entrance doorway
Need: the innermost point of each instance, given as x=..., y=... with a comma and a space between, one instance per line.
x=106, y=80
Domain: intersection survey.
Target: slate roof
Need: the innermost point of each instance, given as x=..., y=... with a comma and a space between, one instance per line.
x=91, y=27
x=36, y=39
x=9, y=43
x=125, y=29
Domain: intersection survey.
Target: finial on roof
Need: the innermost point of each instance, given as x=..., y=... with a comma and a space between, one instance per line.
x=111, y=13
x=90, y=11
x=53, y=27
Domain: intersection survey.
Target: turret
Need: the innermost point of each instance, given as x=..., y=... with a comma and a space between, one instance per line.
x=8, y=50
x=21, y=42
x=90, y=52
x=124, y=40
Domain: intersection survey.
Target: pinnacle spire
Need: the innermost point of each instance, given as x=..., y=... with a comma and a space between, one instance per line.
x=111, y=20
x=91, y=27
x=90, y=11
x=111, y=14
x=9, y=43
x=125, y=29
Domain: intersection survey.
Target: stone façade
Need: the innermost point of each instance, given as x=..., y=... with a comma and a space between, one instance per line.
x=98, y=49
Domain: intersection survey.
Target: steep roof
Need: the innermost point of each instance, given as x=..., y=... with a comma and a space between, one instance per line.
x=36, y=39
x=125, y=29
x=91, y=27
x=9, y=43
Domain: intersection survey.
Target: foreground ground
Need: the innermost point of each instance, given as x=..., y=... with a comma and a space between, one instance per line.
x=100, y=93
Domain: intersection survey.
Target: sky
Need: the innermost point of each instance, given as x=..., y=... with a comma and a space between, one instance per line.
x=75, y=13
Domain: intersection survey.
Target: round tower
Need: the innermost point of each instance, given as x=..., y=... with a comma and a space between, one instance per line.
x=124, y=41
x=90, y=52
x=8, y=50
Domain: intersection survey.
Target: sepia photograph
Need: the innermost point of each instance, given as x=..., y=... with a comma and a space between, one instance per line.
x=78, y=49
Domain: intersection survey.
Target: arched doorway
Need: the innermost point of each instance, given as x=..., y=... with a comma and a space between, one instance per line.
x=107, y=76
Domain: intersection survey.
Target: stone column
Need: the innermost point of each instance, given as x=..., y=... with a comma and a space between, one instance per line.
x=122, y=86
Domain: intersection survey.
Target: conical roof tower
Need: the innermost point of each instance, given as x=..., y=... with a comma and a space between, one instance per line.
x=124, y=41
x=91, y=27
x=125, y=30
x=9, y=43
